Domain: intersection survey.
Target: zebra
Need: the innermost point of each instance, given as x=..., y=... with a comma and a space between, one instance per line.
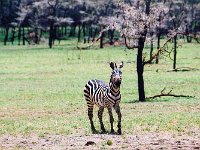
x=98, y=93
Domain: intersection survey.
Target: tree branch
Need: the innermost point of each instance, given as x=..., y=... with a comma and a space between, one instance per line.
x=164, y=50
x=184, y=69
x=162, y=94
x=160, y=50
x=173, y=95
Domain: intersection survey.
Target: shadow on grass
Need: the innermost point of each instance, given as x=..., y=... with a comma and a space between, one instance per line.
x=183, y=69
x=157, y=100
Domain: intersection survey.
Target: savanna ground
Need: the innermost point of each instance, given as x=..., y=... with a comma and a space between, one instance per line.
x=42, y=104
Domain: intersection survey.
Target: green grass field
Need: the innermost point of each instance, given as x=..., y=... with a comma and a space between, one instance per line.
x=41, y=90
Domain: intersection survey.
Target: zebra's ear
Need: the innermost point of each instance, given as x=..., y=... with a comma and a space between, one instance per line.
x=121, y=64
x=112, y=65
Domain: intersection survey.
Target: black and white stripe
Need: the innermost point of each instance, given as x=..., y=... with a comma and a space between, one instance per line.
x=98, y=93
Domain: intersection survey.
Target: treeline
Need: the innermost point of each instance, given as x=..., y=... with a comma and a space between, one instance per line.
x=34, y=21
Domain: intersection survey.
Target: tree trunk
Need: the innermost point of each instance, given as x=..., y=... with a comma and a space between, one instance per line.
x=40, y=35
x=88, y=37
x=54, y=36
x=140, y=69
x=189, y=39
x=79, y=33
x=36, y=36
x=111, y=36
x=101, y=40
x=13, y=35
x=158, y=46
x=19, y=36
x=175, y=51
x=151, y=51
x=91, y=33
x=6, y=36
x=140, y=65
x=23, y=36
x=84, y=33
x=51, y=36
x=148, y=2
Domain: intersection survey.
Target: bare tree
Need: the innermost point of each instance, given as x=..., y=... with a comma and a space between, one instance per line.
x=180, y=23
x=178, y=16
x=135, y=22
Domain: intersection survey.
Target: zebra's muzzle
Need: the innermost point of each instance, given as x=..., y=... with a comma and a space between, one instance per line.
x=118, y=83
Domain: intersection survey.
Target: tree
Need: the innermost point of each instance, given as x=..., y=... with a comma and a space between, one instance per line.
x=178, y=15
x=45, y=14
x=94, y=16
x=8, y=9
x=193, y=17
x=181, y=22
x=135, y=22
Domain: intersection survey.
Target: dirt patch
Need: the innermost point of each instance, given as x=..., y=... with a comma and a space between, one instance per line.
x=149, y=140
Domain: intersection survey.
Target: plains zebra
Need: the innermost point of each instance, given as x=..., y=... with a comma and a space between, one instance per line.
x=98, y=93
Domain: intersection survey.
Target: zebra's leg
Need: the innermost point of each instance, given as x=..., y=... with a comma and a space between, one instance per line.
x=90, y=115
x=111, y=120
x=100, y=114
x=118, y=111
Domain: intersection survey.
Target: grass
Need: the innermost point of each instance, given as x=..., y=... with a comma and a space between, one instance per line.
x=41, y=90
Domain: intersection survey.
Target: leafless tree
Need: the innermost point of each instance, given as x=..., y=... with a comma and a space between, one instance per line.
x=135, y=22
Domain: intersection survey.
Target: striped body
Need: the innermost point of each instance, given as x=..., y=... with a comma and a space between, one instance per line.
x=98, y=93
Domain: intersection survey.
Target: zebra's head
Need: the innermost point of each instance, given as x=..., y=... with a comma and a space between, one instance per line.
x=116, y=75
